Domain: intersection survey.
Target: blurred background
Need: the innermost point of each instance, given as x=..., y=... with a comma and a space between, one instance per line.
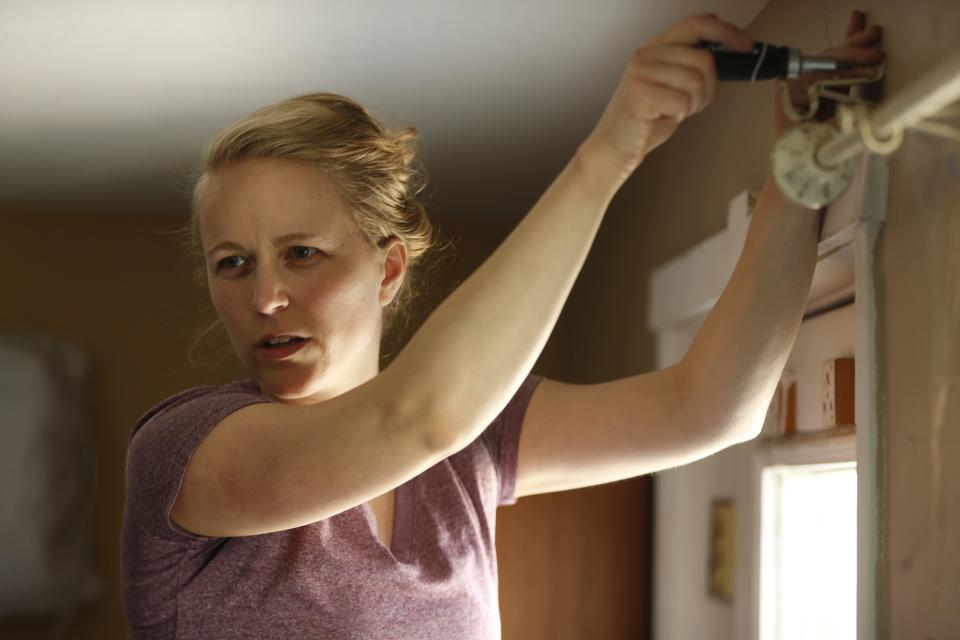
x=105, y=107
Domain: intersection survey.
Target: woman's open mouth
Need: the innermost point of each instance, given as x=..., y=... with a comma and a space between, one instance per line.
x=280, y=348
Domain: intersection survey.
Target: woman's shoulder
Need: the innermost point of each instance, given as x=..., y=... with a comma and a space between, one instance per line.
x=203, y=399
x=160, y=446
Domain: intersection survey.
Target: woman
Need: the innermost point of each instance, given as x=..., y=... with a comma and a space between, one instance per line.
x=323, y=498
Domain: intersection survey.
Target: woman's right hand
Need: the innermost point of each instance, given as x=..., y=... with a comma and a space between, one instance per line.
x=667, y=80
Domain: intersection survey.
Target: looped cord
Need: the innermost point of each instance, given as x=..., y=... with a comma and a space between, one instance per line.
x=820, y=89
x=882, y=146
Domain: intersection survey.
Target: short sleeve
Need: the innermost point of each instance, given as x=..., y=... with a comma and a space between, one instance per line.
x=502, y=439
x=160, y=448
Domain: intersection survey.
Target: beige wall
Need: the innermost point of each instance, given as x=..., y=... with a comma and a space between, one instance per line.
x=679, y=198
x=112, y=284
x=918, y=269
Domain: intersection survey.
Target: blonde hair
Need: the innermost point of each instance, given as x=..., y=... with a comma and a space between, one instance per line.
x=372, y=166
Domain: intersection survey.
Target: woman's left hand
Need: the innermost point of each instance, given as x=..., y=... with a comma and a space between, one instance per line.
x=860, y=46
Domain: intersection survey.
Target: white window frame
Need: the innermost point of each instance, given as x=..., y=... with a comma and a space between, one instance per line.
x=682, y=292
x=771, y=501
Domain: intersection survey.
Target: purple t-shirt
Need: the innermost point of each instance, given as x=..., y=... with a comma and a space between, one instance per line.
x=331, y=579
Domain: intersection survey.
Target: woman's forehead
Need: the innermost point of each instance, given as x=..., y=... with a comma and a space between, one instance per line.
x=270, y=197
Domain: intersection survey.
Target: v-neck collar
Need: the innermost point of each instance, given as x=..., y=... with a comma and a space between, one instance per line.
x=404, y=508
x=404, y=504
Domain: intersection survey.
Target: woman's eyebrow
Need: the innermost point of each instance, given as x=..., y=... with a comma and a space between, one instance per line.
x=224, y=245
x=295, y=236
x=227, y=244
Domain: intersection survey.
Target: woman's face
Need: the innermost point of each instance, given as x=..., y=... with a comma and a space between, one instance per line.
x=285, y=256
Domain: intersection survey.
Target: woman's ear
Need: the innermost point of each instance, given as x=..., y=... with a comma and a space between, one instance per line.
x=394, y=269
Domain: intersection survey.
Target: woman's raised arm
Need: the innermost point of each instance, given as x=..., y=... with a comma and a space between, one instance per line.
x=270, y=466
x=473, y=352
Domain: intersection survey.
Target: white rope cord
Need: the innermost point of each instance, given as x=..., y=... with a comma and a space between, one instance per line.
x=857, y=117
x=819, y=90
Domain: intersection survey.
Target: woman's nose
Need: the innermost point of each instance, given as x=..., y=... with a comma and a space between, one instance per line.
x=269, y=294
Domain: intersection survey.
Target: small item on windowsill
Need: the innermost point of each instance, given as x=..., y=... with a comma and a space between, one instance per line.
x=781, y=418
x=790, y=406
x=788, y=403
x=838, y=393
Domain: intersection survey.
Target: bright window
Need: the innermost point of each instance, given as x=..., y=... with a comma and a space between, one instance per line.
x=808, y=578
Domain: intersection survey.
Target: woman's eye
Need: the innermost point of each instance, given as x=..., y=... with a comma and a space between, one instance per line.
x=228, y=262
x=300, y=253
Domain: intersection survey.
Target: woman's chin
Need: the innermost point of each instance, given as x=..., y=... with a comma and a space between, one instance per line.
x=287, y=386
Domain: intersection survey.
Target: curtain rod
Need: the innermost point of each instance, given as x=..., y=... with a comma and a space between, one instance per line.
x=921, y=99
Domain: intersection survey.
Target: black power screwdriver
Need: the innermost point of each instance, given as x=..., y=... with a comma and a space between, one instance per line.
x=766, y=62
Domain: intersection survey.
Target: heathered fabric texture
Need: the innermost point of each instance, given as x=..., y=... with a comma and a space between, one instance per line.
x=332, y=579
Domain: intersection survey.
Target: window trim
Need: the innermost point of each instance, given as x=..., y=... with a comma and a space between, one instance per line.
x=682, y=292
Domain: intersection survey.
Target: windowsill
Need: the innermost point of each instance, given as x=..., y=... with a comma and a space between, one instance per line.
x=837, y=433
x=830, y=445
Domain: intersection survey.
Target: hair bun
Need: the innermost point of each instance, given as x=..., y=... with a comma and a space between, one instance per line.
x=406, y=145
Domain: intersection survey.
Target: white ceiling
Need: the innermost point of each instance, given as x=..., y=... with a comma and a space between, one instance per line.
x=106, y=103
